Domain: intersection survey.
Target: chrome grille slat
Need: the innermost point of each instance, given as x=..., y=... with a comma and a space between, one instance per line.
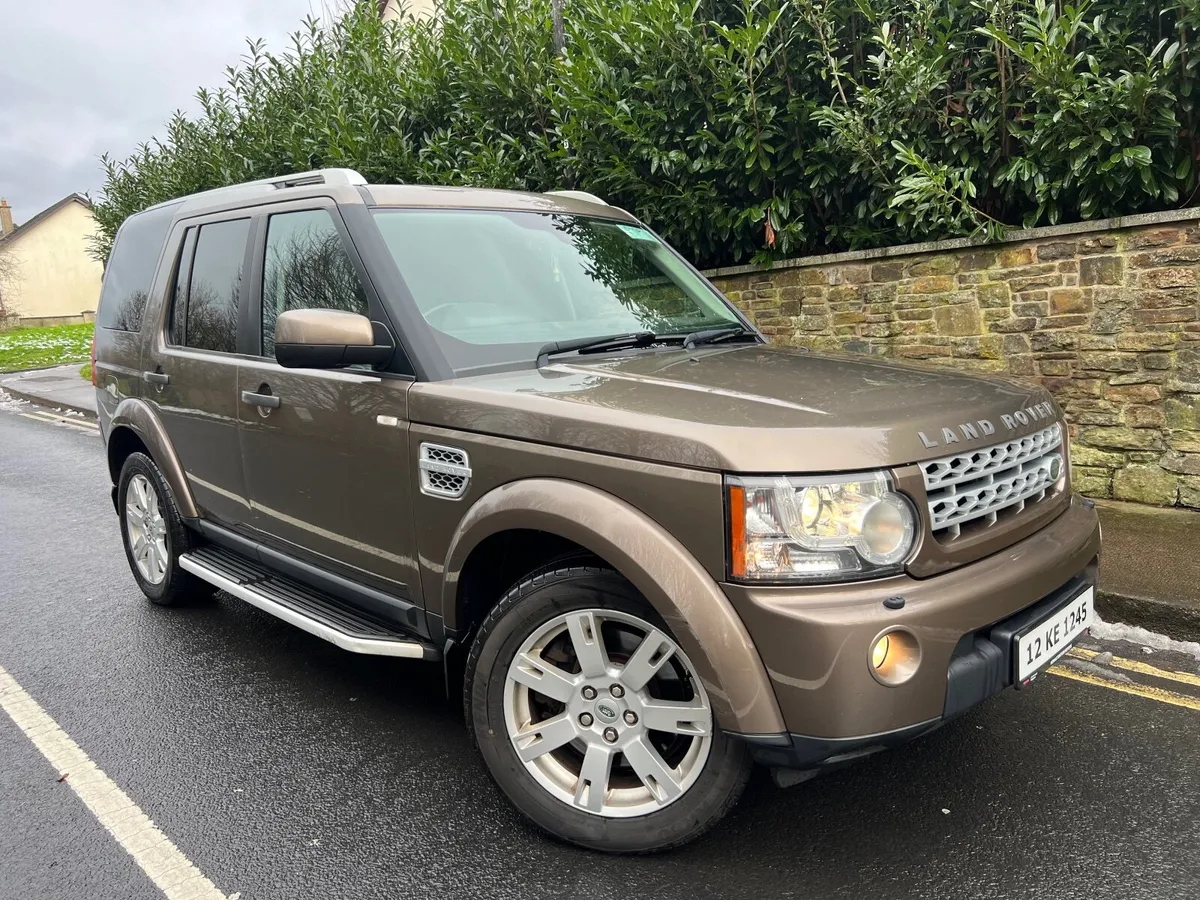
x=979, y=484
x=965, y=466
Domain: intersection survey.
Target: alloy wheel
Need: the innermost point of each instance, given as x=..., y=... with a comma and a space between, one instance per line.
x=146, y=528
x=607, y=714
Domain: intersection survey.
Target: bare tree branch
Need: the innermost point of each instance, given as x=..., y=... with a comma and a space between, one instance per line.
x=9, y=270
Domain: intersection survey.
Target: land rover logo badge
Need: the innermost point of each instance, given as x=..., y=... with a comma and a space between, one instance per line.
x=606, y=711
x=1056, y=467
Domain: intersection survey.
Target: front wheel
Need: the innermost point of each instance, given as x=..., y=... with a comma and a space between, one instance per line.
x=592, y=719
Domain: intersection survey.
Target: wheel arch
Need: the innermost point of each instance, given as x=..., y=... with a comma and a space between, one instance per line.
x=667, y=575
x=499, y=561
x=136, y=428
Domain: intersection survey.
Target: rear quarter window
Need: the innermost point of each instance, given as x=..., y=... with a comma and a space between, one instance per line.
x=130, y=270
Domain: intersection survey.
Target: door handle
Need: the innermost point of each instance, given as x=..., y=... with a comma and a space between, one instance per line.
x=270, y=401
x=156, y=377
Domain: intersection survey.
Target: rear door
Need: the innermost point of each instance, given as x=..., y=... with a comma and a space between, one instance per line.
x=192, y=363
x=326, y=456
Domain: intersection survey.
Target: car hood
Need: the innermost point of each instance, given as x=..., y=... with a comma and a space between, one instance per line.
x=756, y=408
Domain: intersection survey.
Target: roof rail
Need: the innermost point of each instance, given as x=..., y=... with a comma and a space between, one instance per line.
x=577, y=195
x=316, y=176
x=277, y=182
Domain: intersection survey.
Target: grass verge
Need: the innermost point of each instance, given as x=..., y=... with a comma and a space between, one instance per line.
x=40, y=348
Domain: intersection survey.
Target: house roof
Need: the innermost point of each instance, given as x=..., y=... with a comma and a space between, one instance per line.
x=45, y=214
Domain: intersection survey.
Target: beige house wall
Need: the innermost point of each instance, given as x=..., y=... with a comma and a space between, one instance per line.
x=55, y=275
x=423, y=8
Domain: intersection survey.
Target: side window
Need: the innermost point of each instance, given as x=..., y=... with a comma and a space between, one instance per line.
x=306, y=267
x=130, y=269
x=215, y=286
x=183, y=273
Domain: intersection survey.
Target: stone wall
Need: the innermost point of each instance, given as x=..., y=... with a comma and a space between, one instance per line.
x=1106, y=315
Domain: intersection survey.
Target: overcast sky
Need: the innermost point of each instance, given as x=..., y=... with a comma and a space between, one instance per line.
x=82, y=77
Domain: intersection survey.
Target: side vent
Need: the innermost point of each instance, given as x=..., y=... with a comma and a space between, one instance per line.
x=445, y=471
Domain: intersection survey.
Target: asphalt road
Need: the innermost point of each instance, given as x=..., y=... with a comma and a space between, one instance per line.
x=285, y=768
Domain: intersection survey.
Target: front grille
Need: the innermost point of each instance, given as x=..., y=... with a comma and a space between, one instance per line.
x=978, y=486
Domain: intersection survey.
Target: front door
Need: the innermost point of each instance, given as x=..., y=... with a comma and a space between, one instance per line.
x=191, y=369
x=326, y=455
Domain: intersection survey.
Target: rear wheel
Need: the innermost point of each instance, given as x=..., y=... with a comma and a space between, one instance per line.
x=592, y=719
x=154, y=534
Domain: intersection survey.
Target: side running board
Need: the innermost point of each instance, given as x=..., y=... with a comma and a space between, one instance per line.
x=319, y=614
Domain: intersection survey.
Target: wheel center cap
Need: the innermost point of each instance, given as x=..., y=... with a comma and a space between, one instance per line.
x=606, y=711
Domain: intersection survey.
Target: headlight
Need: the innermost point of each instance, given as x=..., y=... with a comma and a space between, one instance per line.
x=820, y=528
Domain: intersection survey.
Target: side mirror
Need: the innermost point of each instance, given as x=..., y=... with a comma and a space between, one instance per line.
x=329, y=339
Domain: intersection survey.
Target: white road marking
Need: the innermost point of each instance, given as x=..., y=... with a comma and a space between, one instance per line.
x=163, y=863
x=84, y=425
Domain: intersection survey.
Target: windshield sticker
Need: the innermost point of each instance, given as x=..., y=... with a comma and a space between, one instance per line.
x=638, y=234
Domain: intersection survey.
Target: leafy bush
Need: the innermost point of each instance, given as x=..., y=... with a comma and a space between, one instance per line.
x=740, y=130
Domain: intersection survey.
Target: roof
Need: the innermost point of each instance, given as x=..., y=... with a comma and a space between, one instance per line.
x=45, y=214
x=428, y=196
x=346, y=186
x=249, y=195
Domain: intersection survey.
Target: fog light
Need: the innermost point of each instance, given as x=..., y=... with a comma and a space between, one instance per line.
x=895, y=656
x=879, y=654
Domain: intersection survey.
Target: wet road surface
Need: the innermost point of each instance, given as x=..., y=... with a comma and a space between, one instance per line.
x=285, y=768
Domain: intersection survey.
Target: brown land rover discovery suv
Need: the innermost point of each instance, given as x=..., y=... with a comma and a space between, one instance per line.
x=519, y=434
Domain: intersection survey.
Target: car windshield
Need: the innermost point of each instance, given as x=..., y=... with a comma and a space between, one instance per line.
x=496, y=286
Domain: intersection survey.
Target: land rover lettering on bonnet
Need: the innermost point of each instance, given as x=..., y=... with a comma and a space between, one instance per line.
x=519, y=437
x=973, y=431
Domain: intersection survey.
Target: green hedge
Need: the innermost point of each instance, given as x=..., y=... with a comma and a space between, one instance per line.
x=745, y=130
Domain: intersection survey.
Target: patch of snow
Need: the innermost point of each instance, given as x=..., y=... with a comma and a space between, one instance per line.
x=1150, y=640
x=63, y=343
x=1093, y=668
x=9, y=403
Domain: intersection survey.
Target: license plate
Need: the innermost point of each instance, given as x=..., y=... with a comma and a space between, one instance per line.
x=1050, y=638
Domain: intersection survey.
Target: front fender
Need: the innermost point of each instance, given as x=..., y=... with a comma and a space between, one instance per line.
x=668, y=576
x=137, y=415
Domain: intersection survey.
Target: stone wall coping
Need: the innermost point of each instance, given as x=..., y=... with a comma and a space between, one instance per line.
x=927, y=247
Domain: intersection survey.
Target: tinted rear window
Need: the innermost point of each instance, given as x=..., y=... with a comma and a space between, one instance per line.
x=216, y=286
x=130, y=270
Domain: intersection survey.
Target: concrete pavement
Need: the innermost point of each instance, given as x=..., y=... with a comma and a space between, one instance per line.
x=57, y=388
x=1150, y=568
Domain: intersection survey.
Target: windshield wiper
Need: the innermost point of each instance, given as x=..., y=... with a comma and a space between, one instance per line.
x=596, y=344
x=715, y=335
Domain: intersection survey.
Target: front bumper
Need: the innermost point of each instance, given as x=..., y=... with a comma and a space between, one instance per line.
x=815, y=642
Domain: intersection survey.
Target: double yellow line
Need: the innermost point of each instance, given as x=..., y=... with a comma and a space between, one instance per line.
x=79, y=423
x=1137, y=689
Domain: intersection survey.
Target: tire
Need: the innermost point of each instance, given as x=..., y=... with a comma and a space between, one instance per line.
x=150, y=512
x=705, y=769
